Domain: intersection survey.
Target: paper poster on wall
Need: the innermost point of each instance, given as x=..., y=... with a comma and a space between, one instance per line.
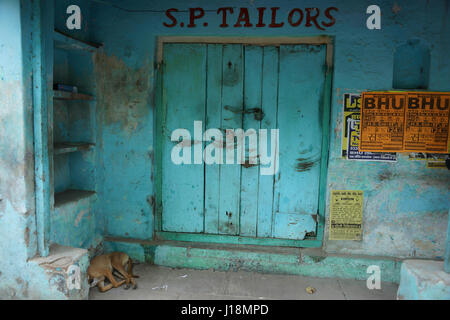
x=427, y=122
x=350, y=136
x=417, y=156
x=432, y=160
x=382, y=121
x=405, y=122
x=352, y=112
x=437, y=160
x=346, y=212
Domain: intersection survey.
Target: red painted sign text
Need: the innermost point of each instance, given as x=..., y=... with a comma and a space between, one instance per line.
x=261, y=17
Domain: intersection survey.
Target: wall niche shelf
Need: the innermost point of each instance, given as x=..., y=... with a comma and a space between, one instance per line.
x=66, y=95
x=67, y=147
x=67, y=42
x=73, y=138
x=71, y=196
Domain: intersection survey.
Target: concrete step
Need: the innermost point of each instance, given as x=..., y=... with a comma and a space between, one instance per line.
x=310, y=262
x=63, y=273
x=424, y=280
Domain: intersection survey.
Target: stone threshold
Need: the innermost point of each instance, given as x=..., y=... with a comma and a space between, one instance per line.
x=311, y=262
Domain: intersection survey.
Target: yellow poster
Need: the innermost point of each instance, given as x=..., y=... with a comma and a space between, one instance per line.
x=350, y=136
x=427, y=122
x=406, y=121
x=382, y=121
x=437, y=161
x=346, y=211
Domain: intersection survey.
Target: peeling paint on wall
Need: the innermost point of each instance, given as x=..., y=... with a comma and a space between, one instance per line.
x=124, y=92
x=124, y=99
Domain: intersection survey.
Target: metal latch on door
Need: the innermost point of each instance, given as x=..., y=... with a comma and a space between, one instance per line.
x=259, y=114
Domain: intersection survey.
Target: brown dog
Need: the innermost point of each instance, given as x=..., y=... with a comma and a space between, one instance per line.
x=104, y=265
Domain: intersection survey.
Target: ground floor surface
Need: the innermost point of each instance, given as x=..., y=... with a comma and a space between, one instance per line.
x=160, y=283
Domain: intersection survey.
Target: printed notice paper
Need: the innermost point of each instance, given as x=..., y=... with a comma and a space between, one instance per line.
x=346, y=211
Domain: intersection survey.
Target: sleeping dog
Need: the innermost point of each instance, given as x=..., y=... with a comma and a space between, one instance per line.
x=103, y=266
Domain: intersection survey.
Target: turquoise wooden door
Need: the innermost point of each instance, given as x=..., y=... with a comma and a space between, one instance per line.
x=229, y=86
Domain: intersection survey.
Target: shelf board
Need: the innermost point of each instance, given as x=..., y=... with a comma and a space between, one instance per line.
x=67, y=147
x=66, y=95
x=67, y=42
x=71, y=196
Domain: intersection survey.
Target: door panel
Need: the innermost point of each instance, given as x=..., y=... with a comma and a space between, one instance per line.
x=230, y=174
x=213, y=120
x=293, y=225
x=250, y=173
x=269, y=96
x=184, y=88
x=301, y=80
x=220, y=85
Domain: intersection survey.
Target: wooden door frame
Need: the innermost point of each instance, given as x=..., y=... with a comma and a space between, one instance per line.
x=160, y=121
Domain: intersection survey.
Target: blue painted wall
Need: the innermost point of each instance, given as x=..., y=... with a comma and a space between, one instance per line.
x=17, y=224
x=20, y=276
x=406, y=204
